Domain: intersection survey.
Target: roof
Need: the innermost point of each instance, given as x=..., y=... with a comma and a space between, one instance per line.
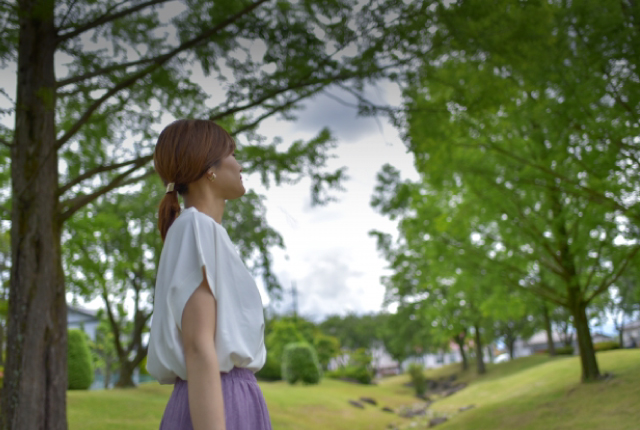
x=82, y=311
x=633, y=324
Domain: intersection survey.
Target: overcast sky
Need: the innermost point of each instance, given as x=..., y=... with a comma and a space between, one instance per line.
x=331, y=257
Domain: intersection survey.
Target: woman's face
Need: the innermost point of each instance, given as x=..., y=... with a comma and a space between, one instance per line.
x=228, y=183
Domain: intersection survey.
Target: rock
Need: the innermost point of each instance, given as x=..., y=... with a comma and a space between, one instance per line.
x=369, y=400
x=466, y=408
x=414, y=410
x=435, y=421
x=454, y=389
x=388, y=409
x=425, y=398
x=356, y=404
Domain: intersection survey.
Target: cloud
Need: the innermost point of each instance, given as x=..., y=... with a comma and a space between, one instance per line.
x=324, y=289
x=326, y=110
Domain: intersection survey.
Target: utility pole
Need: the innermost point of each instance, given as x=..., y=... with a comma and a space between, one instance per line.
x=294, y=300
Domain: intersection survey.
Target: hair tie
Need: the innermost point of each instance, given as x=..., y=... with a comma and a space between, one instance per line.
x=170, y=187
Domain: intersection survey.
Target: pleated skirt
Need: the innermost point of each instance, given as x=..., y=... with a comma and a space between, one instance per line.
x=244, y=405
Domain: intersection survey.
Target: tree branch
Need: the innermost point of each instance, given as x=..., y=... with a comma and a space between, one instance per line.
x=101, y=169
x=106, y=18
x=158, y=62
x=111, y=68
x=114, y=324
x=606, y=283
x=6, y=143
x=78, y=202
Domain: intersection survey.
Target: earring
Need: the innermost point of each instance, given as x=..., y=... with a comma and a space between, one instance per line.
x=212, y=177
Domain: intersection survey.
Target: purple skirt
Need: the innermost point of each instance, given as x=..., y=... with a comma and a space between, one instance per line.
x=244, y=405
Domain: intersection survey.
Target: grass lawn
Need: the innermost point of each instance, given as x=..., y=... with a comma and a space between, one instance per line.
x=548, y=396
x=532, y=393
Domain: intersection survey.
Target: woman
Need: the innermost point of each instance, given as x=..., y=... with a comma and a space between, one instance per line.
x=207, y=331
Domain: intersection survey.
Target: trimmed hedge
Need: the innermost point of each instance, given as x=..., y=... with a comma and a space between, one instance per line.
x=606, y=346
x=79, y=363
x=300, y=363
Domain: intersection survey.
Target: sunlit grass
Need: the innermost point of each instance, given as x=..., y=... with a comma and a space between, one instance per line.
x=531, y=393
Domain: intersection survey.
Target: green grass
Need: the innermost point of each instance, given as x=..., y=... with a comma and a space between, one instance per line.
x=549, y=396
x=532, y=393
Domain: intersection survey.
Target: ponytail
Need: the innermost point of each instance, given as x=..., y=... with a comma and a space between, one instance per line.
x=168, y=212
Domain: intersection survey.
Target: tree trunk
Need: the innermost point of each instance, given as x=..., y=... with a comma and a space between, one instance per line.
x=551, y=347
x=459, y=340
x=479, y=354
x=107, y=374
x=125, y=380
x=34, y=392
x=511, y=343
x=1, y=344
x=621, y=337
x=590, y=371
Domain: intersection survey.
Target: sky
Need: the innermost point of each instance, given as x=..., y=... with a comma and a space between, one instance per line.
x=332, y=260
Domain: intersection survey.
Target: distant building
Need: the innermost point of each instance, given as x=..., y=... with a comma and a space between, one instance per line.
x=631, y=334
x=538, y=343
x=82, y=319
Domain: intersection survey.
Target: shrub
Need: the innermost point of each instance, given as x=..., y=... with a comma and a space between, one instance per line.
x=353, y=373
x=606, y=346
x=272, y=369
x=79, y=361
x=327, y=347
x=418, y=380
x=564, y=350
x=282, y=332
x=300, y=362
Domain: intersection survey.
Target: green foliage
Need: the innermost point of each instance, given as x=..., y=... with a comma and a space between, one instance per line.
x=354, y=331
x=521, y=123
x=358, y=369
x=564, y=350
x=326, y=347
x=300, y=363
x=418, y=379
x=280, y=333
x=351, y=373
x=79, y=366
x=606, y=346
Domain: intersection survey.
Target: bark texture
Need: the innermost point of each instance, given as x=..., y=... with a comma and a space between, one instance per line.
x=34, y=392
x=459, y=340
x=479, y=354
x=551, y=347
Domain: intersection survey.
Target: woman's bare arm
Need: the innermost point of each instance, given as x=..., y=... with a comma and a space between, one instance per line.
x=203, y=372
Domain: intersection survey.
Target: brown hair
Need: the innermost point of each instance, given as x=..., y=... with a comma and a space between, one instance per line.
x=185, y=150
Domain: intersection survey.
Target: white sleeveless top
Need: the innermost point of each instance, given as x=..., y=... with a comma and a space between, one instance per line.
x=195, y=240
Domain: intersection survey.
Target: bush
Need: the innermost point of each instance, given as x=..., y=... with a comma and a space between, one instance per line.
x=272, y=369
x=564, y=350
x=353, y=373
x=418, y=380
x=79, y=361
x=300, y=362
x=281, y=333
x=606, y=346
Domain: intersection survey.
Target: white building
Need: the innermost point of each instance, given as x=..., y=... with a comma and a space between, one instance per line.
x=82, y=319
x=631, y=334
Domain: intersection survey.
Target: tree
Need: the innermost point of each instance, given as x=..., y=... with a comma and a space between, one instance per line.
x=130, y=65
x=103, y=348
x=529, y=113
